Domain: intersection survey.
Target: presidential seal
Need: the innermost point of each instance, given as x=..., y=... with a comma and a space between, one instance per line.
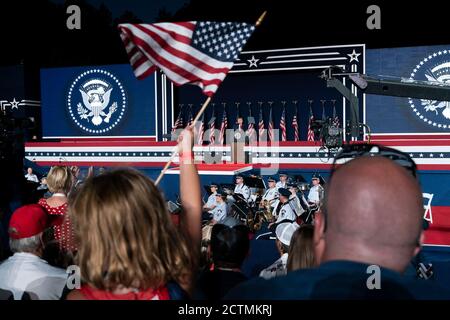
x=435, y=69
x=96, y=101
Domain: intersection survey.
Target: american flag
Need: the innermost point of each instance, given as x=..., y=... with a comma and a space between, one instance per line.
x=295, y=126
x=283, y=125
x=271, y=133
x=223, y=127
x=190, y=117
x=201, y=130
x=261, y=124
x=336, y=121
x=194, y=52
x=310, y=130
x=178, y=123
x=251, y=132
x=212, y=129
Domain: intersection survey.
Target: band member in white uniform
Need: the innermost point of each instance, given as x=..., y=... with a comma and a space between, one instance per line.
x=283, y=181
x=295, y=200
x=211, y=203
x=241, y=188
x=271, y=194
x=220, y=210
x=285, y=209
x=315, y=191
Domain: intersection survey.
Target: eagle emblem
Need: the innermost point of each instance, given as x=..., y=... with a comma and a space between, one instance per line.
x=433, y=105
x=435, y=69
x=96, y=101
x=96, y=95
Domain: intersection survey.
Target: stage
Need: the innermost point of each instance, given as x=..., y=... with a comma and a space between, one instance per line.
x=296, y=158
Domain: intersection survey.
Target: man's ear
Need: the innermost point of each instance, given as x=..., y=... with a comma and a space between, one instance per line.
x=419, y=244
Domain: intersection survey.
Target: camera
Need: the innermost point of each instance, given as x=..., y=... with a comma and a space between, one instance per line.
x=330, y=134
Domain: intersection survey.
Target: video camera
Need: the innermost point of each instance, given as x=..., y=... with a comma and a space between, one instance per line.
x=330, y=134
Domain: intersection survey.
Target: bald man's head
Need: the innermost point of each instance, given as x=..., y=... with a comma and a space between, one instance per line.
x=374, y=213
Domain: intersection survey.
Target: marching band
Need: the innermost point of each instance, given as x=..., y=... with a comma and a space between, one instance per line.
x=284, y=200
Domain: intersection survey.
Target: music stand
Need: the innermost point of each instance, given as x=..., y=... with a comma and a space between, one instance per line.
x=227, y=186
x=299, y=179
x=254, y=182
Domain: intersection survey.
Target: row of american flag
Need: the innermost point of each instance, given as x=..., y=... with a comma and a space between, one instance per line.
x=261, y=131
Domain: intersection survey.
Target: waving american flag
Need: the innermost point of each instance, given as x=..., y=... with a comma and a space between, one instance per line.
x=200, y=53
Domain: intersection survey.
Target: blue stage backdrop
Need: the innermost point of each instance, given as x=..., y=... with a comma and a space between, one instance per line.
x=280, y=75
x=404, y=116
x=287, y=86
x=97, y=101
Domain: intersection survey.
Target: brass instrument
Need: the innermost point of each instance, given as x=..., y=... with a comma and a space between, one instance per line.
x=268, y=209
x=255, y=220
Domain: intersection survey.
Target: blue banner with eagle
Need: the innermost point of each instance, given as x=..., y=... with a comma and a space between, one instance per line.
x=102, y=101
x=409, y=116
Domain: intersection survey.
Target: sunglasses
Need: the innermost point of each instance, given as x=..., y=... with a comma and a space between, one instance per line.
x=352, y=151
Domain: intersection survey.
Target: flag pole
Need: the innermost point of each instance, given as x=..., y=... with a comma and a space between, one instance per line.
x=175, y=150
x=199, y=114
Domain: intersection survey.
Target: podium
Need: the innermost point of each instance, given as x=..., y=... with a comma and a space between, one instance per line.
x=238, y=155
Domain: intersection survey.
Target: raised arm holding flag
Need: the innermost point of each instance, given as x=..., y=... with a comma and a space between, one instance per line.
x=185, y=52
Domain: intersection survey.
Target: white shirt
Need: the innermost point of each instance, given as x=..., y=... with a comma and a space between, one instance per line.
x=280, y=185
x=27, y=272
x=32, y=177
x=278, y=268
x=270, y=194
x=286, y=212
x=313, y=195
x=219, y=212
x=242, y=189
x=296, y=204
x=211, y=201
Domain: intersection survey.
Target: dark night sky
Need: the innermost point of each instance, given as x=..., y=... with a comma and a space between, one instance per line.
x=146, y=10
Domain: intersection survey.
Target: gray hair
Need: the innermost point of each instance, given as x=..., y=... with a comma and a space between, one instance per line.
x=30, y=244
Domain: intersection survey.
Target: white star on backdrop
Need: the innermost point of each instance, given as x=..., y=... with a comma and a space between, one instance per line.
x=14, y=104
x=253, y=62
x=354, y=56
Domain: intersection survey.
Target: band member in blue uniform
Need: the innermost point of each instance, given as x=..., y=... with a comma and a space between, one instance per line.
x=220, y=210
x=211, y=202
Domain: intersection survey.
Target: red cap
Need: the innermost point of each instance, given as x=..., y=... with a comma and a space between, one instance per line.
x=28, y=221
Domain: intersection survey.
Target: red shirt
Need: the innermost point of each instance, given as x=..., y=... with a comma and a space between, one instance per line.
x=62, y=226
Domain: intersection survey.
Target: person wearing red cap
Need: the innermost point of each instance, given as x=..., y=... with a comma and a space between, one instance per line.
x=26, y=271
